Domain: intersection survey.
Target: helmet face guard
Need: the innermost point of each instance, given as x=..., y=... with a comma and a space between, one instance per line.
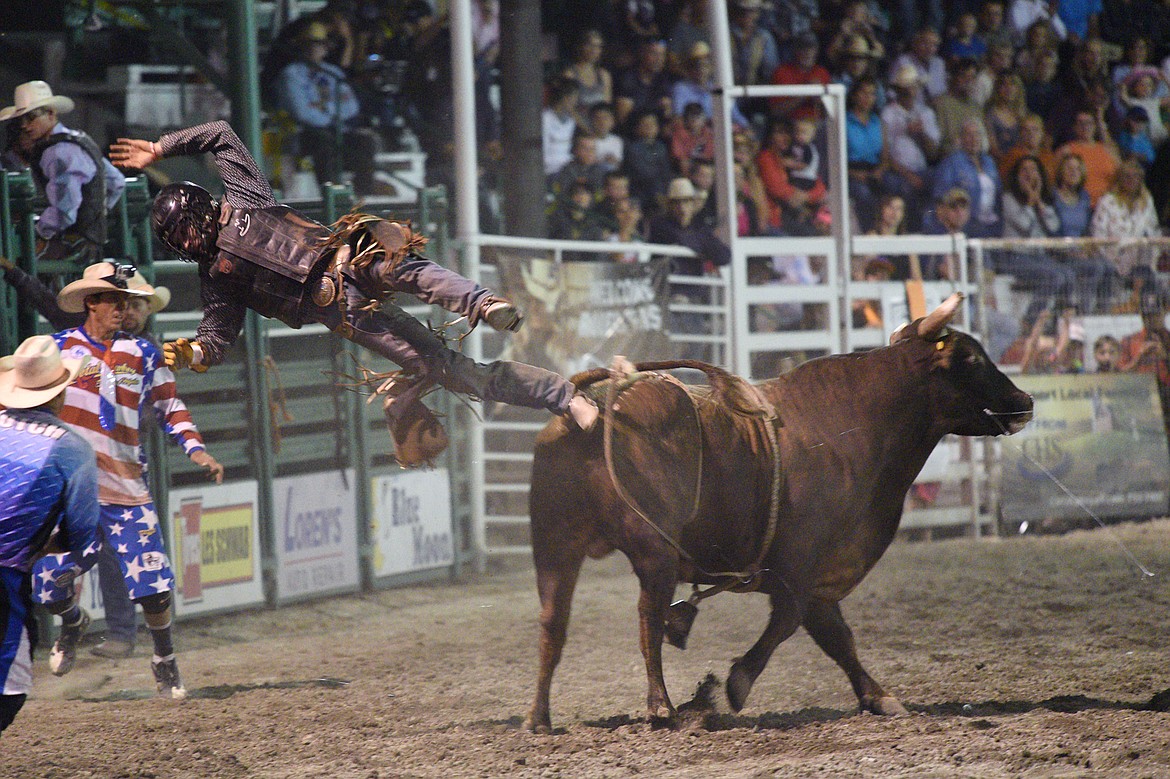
x=185, y=219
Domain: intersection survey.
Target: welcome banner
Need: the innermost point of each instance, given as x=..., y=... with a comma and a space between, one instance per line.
x=578, y=315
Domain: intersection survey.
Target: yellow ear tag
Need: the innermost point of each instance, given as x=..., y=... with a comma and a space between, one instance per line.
x=939, y=345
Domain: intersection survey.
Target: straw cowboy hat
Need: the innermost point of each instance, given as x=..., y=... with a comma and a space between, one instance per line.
x=857, y=46
x=36, y=373
x=681, y=189
x=97, y=278
x=906, y=77
x=32, y=95
x=160, y=296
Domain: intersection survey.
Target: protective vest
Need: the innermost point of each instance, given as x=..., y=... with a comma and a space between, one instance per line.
x=270, y=255
x=91, y=215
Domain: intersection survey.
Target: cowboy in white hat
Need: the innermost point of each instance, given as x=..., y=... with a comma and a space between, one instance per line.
x=79, y=183
x=48, y=476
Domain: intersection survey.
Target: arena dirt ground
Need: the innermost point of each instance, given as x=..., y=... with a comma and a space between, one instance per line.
x=1022, y=657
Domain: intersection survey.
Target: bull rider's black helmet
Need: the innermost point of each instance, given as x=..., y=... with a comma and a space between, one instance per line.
x=185, y=218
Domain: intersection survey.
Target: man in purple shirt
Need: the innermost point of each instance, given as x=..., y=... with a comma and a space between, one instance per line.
x=80, y=184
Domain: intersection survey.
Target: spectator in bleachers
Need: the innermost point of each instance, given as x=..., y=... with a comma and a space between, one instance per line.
x=801, y=68
x=675, y=225
x=923, y=56
x=627, y=228
x=643, y=87
x=1140, y=90
x=582, y=167
x=855, y=21
x=1081, y=18
x=697, y=81
x=790, y=209
x=559, y=124
x=1084, y=85
x=957, y=104
x=1148, y=350
x=856, y=61
x=792, y=20
x=906, y=16
x=1033, y=141
x=890, y=221
x=1138, y=54
x=689, y=28
x=610, y=146
x=79, y=184
x=320, y=100
x=951, y=214
x=754, y=55
x=964, y=41
x=913, y=137
x=1107, y=353
x=647, y=162
x=1073, y=205
x=1133, y=142
x=615, y=188
x=692, y=138
x=867, y=155
x=1127, y=211
x=1038, y=40
x=1028, y=213
x=702, y=178
x=993, y=26
x=1100, y=156
x=971, y=169
x=573, y=219
x=596, y=83
x=1004, y=114
x=750, y=194
x=1023, y=14
x=485, y=40
x=1041, y=84
x=427, y=86
x=638, y=21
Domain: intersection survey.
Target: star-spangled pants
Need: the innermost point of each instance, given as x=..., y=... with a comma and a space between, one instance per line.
x=136, y=538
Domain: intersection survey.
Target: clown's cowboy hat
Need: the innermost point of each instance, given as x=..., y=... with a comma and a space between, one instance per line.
x=36, y=373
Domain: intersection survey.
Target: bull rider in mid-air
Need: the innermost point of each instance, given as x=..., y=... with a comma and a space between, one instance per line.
x=255, y=253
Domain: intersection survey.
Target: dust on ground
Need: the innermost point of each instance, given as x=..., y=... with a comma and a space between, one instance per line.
x=1020, y=657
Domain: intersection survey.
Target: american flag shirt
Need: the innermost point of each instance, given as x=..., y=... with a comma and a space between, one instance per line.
x=122, y=380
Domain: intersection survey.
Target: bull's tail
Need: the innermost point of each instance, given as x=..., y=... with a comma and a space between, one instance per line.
x=731, y=390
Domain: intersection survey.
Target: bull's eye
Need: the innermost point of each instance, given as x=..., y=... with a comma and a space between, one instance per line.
x=973, y=360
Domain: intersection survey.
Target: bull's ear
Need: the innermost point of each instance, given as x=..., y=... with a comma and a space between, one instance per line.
x=931, y=326
x=899, y=333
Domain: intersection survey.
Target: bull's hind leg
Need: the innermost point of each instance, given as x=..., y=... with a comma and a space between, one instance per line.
x=824, y=622
x=555, y=582
x=782, y=623
x=658, y=574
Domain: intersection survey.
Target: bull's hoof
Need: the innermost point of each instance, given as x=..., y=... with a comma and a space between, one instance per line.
x=739, y=684
x=662, y=716
x=540, y=726
x=887, y=706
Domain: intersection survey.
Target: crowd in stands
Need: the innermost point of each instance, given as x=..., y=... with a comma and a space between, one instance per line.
x=1039, y=119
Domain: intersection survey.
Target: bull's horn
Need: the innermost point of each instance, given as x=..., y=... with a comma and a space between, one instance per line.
x=932, y=324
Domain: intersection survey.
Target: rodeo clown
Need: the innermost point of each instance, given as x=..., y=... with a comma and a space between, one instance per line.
x=125, y=379
x=254, y=253
x=48, y=505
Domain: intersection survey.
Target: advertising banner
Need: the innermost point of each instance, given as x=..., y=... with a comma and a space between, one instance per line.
x=411, y=519
x=1097, y=442
x=578, y=315
x=216, y=547
x=316, y=535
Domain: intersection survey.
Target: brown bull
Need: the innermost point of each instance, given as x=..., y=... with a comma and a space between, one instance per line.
x=851, y=433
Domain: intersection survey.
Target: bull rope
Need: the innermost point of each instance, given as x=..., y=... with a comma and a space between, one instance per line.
x=734, y=578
